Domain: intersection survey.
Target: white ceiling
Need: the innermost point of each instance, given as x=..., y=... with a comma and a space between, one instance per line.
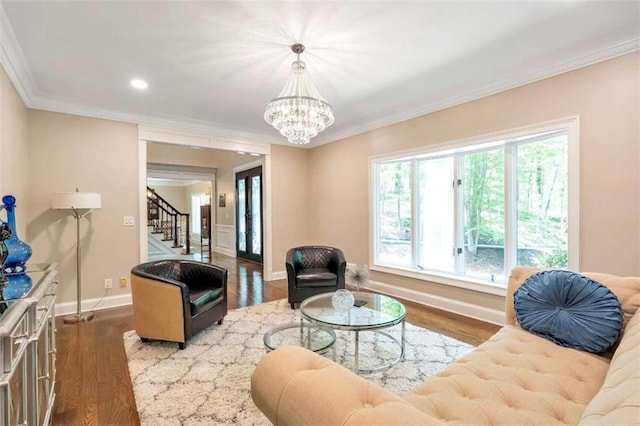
x=212, y=66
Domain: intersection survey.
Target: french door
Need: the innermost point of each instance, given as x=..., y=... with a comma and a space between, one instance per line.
x=249, y=214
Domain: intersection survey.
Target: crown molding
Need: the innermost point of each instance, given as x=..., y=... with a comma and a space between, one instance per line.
x=13, y=61
x=181, y=124
x=488, y=90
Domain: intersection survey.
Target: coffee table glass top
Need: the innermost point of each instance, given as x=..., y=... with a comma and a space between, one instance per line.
x=297, y=334
x=379, y=312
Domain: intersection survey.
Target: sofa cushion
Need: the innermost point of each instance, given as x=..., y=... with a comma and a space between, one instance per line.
x=315, y=277
x=515, y=378
x=201, y=300
x=570, y=310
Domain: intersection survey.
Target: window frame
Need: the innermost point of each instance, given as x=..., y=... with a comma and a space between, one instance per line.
x=196, y=221
x=571, y=125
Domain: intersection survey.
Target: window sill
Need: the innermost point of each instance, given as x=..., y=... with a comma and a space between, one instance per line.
x=497, y=289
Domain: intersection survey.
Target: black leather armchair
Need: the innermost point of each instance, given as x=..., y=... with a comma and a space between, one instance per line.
x=313, y=270
x=175, y=299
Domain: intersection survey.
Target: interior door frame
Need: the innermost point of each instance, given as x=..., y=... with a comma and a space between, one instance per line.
x=178, y=137
x=240, y=169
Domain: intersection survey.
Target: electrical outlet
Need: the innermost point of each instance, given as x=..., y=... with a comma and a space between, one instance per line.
x=108, y=283
x=123, y=281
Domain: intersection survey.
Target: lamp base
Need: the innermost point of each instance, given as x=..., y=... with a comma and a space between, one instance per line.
x=81, y=317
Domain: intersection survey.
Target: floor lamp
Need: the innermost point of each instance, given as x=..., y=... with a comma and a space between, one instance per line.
x=79, y=204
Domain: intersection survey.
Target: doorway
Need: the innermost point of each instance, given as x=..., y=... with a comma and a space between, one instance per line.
x=249, y=216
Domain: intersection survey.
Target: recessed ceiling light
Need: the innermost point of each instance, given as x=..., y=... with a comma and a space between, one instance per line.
x=139, y=84
x=241, y=152
x=255, y=154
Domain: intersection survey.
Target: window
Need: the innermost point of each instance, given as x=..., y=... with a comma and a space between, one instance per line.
x=197, y=200
x=471, y=211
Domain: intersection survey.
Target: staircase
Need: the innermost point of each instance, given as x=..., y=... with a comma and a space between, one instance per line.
x=167, y=224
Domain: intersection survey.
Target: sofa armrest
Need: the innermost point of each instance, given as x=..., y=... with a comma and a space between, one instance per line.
x=294, y=386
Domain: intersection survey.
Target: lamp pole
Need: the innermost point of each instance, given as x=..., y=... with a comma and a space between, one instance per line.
x=79, y=316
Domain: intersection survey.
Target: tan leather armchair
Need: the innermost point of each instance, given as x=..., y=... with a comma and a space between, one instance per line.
x=175, y=299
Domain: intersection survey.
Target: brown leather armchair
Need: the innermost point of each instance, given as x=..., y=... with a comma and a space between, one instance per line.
x=175, y=299
x=313, y=270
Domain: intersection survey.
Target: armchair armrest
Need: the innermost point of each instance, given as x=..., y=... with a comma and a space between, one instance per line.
x=294, y=386
x=160, y=308
x=291, y=269
x=149, y=278
x=338, y=265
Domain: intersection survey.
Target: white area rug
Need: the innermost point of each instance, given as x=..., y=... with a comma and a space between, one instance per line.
x=209, y=382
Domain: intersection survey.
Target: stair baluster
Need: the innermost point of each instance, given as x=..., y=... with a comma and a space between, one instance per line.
x=167, y=220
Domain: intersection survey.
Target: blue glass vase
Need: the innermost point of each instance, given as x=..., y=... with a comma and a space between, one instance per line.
x=18, y=285
x=5, y=234
x=19, y=251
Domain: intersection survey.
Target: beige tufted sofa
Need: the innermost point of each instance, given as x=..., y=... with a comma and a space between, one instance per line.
x=515, y=378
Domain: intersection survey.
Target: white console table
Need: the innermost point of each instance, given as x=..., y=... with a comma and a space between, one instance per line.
x=28, y=352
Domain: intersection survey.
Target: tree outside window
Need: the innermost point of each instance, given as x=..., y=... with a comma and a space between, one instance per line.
x=476, y=211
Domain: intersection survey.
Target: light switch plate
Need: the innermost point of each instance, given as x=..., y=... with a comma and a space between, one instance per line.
x=129, y=221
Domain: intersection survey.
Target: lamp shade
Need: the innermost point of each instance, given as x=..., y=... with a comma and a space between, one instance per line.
x=76, y=200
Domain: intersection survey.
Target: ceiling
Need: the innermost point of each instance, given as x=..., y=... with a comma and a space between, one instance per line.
x=212, y=66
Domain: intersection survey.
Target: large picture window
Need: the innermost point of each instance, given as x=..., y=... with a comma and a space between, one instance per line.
x=474, y=210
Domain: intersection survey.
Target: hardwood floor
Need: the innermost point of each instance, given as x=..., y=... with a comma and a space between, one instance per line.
x=93, y=385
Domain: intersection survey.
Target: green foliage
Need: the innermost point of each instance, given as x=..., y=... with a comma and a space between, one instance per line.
x=541, y=178
x=556, y=259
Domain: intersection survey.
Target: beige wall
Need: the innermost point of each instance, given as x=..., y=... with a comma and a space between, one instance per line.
x=175, y=195
x=14, y=174
x=226, y=184
x=182, y=155
x=604, y=95
x=68, y=152
x=291, y=198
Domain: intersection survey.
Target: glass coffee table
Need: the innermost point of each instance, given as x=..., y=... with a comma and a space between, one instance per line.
x=315, y=339
x=378, y=313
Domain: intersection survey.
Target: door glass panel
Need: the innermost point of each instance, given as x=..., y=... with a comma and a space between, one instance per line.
x=242, y=229
x=435, y=218
x=483, y=185
x=256, y=220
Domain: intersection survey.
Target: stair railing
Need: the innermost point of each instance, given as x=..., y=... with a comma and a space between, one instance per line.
x=168, y=221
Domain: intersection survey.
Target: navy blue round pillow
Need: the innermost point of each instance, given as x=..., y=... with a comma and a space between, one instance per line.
x=569, y=309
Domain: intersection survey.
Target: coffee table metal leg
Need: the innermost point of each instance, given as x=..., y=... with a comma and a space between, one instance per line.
x=402, y=342
x=309, y=337
x=357, y=355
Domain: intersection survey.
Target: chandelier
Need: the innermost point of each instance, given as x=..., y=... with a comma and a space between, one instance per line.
x=299, y=112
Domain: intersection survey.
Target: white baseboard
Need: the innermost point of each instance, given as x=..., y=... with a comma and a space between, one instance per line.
x=492, y=316
x=279, y=275
x=66, y=308
x=225, y=251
